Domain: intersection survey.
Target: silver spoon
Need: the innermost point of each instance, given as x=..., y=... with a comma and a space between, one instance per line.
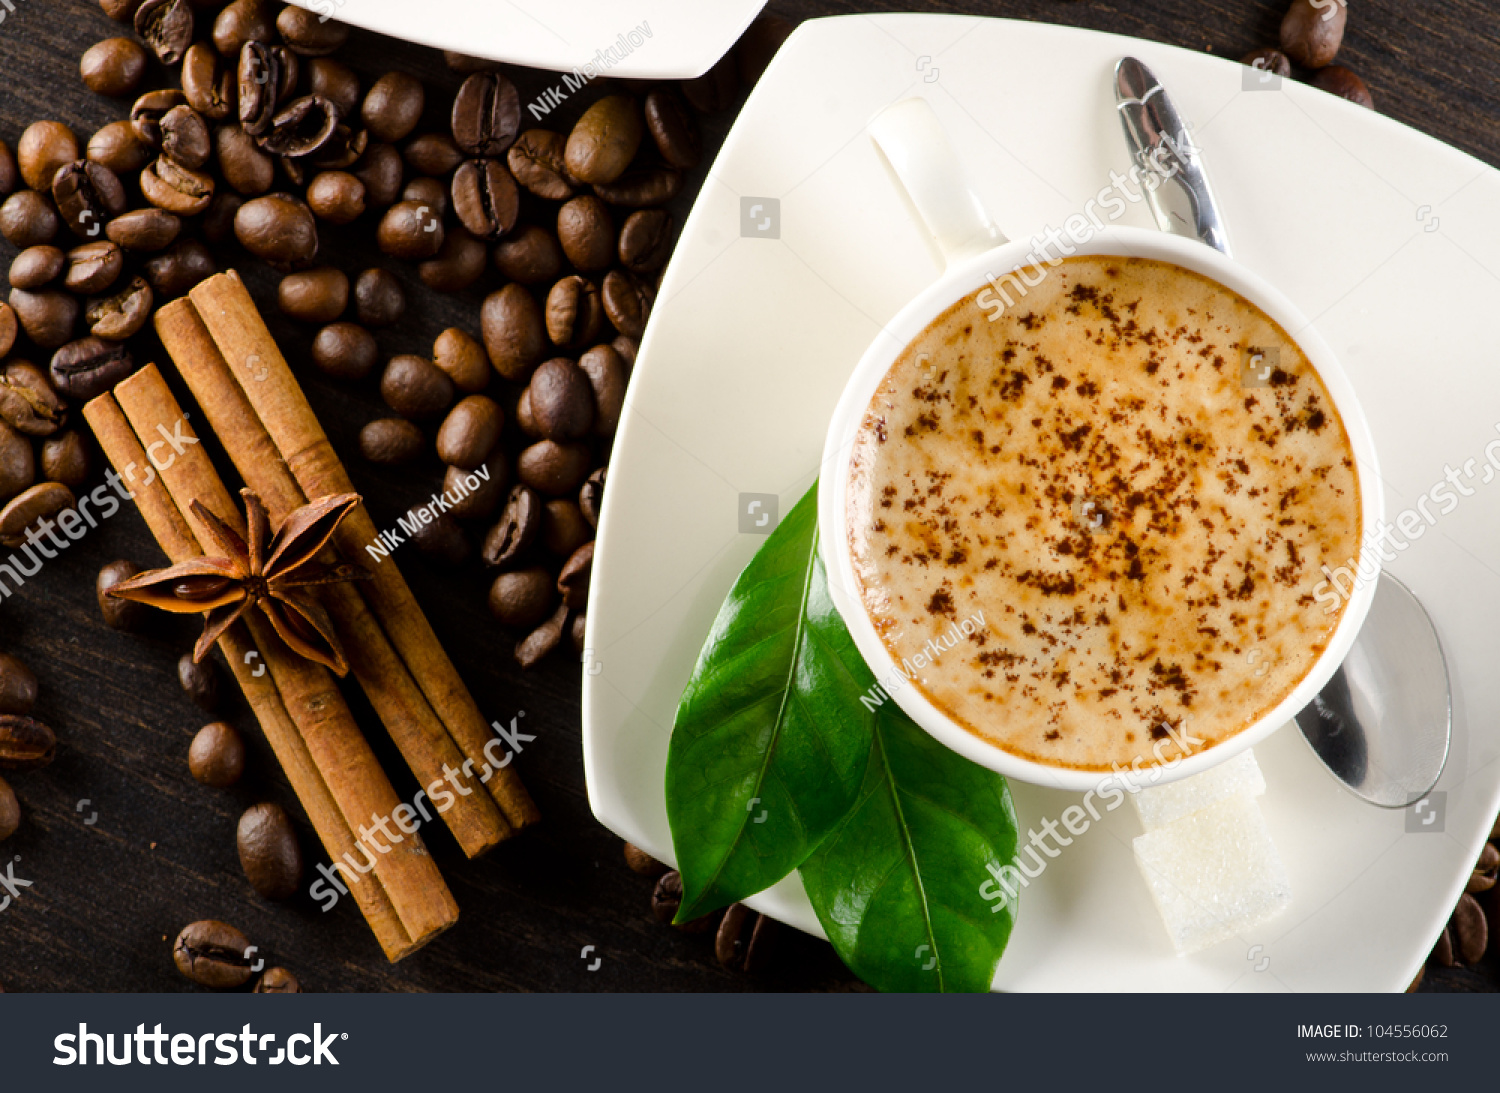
x=1383, y=723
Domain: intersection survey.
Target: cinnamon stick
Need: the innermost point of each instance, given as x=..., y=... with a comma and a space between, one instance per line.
x=475, y=820
x=123, y=449
x=364, y=795
x=246, y=344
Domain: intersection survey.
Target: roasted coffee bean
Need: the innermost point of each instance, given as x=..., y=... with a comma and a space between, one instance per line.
x=9, y=172
x=1485, y=870
x=123, y=615
x=486, y=114
x=591, y=496
x=393, y=106
x=47, y=317
x=564, y=529
x=123, y=314
x=642, y=189
x=37, y=267
x=667, y=898
x=379, y=299
x=184, y=137
x=415, y=387
x=1338, y=80
x=410, y=230
x=455, y=267
x=517, y=529
x=745, y=939
x=608, y=375
x=10, y=814
x=117, y=147
x=147, y=112
x=438, y=536
x=177, y=189
x=462, y=62
x=646, y=240
x=574, y=313
x=44, y=147
x=213, y=954
x=432, y=154
x=122, y=11
x=380, y=170
x=561, y=401
x=538, y=160
x=200, y=679
x=343, y=150
x=88, y=196
x=1470, y=930
x=85, y=369
x=525, y=420
x=673, y=129
x=25, y=744
x=627, y=302
x=604, y=140
x=573, y=581
x=470, y=432
x=302, y=128
x=27, y=219
x=514, y=334
x=1311, y=32
x=391, y=442
x=218, y=219
x=279, y=229
x=258, y=78
x=463, y=359
x=17, y=463
x=336, y=82
x=277, y=980
x=269, y=852
x=481, y=494
x=1273, y=62
x=217, y=755
x=93, y=267
x=315, y=295
x=245, y=167
x=345, y=351
x=336, y=196
x=10, y=326
x=113, y=67
x=523, y=598
x=543, y=640
x=485, y=198
x=166, y=26
x=643, y=863
x=243, y=21
x=715, y=90
x=759, y=43
x=309, y=33
x=27, y=402
x=144, y=229
x=530, y=255
x=1442, y=951
x=427, y=191
x=179, y=268
x=208, y=84
x=587, y=233
x=17, y=687
x=553, y=469
x=65, y=460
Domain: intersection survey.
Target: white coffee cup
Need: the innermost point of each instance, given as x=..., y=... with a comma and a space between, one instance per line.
x=977, y=254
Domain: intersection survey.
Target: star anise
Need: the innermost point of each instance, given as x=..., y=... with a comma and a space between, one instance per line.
x=274, y=573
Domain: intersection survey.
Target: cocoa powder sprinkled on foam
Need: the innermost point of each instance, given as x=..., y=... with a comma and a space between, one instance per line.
x=1142, y=530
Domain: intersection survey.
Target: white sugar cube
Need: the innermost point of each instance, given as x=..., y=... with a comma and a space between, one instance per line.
x=1214, y=874
x=1158, y=806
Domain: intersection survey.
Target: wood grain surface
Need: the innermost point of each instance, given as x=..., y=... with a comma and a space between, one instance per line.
x=107, y=897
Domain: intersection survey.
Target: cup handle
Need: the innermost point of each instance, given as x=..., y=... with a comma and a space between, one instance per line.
x=916, y=146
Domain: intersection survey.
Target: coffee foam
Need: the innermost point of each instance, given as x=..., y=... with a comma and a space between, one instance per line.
x=1142, y=531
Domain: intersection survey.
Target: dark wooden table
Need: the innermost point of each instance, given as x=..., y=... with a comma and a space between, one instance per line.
x=108, y=897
